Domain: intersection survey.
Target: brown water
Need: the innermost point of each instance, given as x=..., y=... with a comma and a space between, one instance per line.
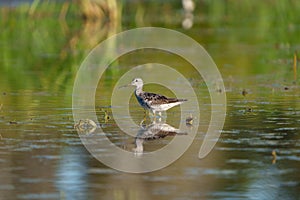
x=42, y=156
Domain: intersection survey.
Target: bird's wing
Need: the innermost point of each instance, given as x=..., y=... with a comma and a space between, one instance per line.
x=159, y=99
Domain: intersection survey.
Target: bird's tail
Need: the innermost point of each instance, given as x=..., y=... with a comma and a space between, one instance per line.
x=182, y=100
x=174, y=100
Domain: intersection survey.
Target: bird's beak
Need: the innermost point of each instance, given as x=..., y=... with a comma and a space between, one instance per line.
x=125, y=86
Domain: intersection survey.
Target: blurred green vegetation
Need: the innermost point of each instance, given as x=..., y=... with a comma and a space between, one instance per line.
x=42, y=44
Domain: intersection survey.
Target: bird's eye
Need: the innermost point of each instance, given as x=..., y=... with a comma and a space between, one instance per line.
x=136, y=80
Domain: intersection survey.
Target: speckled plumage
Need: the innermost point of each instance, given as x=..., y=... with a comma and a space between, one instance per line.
x=151, y=101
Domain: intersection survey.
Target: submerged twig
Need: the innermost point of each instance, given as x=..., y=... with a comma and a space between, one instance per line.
x=274, y=157
x=295, y=66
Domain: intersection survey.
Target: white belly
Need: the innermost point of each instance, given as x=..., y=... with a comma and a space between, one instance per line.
x=164, y=107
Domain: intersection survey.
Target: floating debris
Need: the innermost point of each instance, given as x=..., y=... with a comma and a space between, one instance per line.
x=274, y=157
x=244, y=92
x=85, y=126
x=249, y=109
x=189, y=120
x=219, y=90
x=106, y=115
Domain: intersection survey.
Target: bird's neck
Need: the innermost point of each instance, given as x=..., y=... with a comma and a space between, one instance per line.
x=139, y=90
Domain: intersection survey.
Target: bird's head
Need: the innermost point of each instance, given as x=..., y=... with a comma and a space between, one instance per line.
x=138, y=82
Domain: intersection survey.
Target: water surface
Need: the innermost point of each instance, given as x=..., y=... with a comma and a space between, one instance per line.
x=42, y=156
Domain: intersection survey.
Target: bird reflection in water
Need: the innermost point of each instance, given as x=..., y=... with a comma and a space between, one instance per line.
x=153, y=131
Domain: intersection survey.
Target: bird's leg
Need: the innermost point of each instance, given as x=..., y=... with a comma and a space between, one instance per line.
x=153, y=115
x=142, y=122
x=159, y=116
x=145, y=115
x=144, y=118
